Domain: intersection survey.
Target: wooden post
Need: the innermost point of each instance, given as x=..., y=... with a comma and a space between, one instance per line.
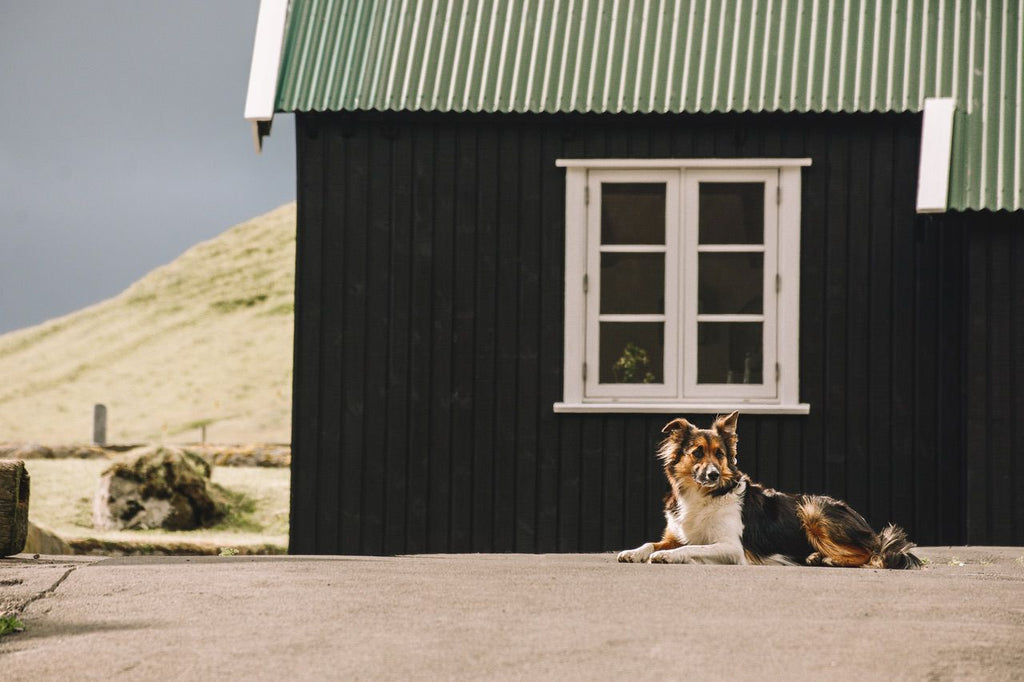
x=13, y=506
x=99, y=424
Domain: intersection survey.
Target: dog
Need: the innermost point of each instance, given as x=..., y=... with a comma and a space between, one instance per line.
x=715, y=514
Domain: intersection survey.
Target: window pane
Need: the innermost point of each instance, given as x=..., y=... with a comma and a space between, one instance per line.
x=632, y=283
x=730, y=283
x=632, y=353
x=731, y=213
x=729, y=353
x=633, y=213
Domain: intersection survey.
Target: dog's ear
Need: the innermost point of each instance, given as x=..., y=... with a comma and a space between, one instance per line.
x=678, y=424
x=727, y=424
x=726, y=427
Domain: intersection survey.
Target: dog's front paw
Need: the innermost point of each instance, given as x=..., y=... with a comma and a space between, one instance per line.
x=669, y=556
x=636, y=556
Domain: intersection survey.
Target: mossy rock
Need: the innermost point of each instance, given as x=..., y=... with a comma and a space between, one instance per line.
x=158, y=487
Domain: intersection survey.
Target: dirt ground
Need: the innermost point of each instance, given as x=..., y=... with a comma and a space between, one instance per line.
x=513, y=617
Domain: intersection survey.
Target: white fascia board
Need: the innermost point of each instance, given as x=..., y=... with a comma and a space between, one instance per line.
x=266, y=62
x=629, y=164
x=680, y=408
x=936, y=151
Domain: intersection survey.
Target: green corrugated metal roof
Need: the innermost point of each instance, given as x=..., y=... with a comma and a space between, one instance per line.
x=678, y=56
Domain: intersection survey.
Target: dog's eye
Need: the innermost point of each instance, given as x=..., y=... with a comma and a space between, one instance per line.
x=697, y=454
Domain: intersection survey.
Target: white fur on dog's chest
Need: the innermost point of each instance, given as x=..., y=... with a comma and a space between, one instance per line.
x=706, y=520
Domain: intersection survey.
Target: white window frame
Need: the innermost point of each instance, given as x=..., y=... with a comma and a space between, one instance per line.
x=680, y=393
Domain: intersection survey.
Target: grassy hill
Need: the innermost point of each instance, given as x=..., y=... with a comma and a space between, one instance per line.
x=206, y=339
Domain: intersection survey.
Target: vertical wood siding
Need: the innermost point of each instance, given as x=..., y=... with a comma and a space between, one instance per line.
x=429, y=337
x=994, y=380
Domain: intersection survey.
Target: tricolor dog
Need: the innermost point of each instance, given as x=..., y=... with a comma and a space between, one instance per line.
x=715, y=514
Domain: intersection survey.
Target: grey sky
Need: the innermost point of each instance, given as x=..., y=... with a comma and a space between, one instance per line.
x=122, y=144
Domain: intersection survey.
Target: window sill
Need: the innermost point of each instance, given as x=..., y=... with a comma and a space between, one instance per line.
x=682, y=408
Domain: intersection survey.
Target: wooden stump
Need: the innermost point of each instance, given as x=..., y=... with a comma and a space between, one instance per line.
x=13, y=506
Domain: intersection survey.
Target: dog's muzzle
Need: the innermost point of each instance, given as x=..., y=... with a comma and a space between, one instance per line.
x=709, y=477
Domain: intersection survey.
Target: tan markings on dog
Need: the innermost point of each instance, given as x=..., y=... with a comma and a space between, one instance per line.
x=821, y=534
x=668, y=541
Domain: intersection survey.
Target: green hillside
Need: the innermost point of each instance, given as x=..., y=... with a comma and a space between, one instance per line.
x=206, y=339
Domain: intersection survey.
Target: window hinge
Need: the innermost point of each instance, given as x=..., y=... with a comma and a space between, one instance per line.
x=584, y=371
x=778, y=372
x=778, y=282
x=586, y=283
x=586, y=194
x=778, y=195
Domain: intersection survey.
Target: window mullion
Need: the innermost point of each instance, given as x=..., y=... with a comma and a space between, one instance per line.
x=689, y=217
x=738, y=317
x=632, y=248
x=730, y=248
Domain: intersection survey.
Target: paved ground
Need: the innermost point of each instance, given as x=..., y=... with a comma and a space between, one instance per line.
x=511, y=617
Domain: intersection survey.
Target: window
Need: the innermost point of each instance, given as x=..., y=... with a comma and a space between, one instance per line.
x=682, y=285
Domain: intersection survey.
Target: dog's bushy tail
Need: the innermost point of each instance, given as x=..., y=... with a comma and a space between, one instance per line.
x=894, y=549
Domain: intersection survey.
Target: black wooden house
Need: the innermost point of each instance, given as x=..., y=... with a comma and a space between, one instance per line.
x=530, y=232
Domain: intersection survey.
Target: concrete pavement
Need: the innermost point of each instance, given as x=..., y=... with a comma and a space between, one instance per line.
x=510, y=617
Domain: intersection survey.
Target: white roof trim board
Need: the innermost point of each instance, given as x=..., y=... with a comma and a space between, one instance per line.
x=936, y=150
x=261, y=98
x=682, y=163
